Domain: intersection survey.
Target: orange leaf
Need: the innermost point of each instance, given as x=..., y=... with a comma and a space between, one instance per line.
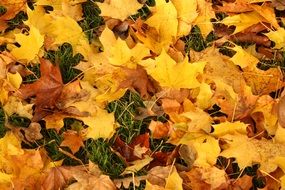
x=72, y=140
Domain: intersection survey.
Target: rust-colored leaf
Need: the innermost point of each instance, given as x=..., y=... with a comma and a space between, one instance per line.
x=47, y=89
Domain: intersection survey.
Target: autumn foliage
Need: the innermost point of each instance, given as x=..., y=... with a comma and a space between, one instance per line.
x=142, y=94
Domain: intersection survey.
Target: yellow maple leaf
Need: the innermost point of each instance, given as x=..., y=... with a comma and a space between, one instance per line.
x=15, y=105
x=186, y=14
x=164, y=20
x=100, y=126
x=119, y=9
x=229, y=128
x=278, y=37
x=243, y=20
x=175, y=75
x=118, y=52
x=30, y=45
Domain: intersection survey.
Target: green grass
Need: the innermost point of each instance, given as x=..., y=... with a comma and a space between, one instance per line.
x=100, y=152
x=66, y=60
x=18, y=121
x=3, y=10
x=3, y=129
x=17, y=20
x=36, y=74
x=92, y=21
x=194, y=40
x=125, y=110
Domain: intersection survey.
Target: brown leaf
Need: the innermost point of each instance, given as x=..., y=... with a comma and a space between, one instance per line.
x=72, y=140
x=56, y=178
x=138, y=80
x=251, y=38
x=238, y=6
x=33, y=132
x=47, y=89
x=244, y=183
x=90, y=180
x=128, y=150
x=278, y=4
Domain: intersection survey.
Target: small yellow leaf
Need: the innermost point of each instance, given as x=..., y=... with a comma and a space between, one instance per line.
x=243, y=59
x=174, y=181
x=137, y=165
x=119, y=9
x=100, y=126
x=15, y=79
x=30, y=45
x=204, y=96
x=278, y=37
x=229, y=128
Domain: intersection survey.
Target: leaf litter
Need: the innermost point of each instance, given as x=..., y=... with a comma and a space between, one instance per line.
x=153, y=94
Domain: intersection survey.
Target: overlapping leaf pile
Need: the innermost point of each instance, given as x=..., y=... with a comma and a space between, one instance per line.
x=126, y=94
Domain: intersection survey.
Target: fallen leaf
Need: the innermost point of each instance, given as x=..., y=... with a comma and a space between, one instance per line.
x=56, y=178
x=51, y=83
x=72, y=140
x=119, y=9
x=175, y=75
x=30, y=45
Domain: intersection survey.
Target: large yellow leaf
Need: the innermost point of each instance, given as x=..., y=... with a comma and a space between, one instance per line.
x=119, y=9
x=30, y=45
x=164, y=20
x=175, y=75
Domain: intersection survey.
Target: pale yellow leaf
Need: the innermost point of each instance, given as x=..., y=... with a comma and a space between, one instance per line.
x=119, y=9
x=137, y=165
x=203, y=20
